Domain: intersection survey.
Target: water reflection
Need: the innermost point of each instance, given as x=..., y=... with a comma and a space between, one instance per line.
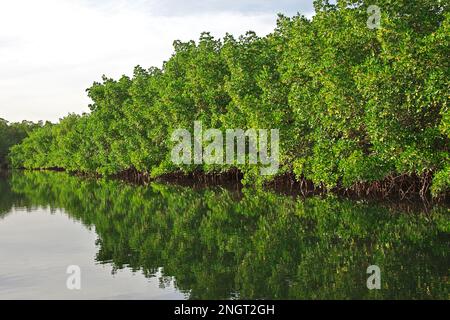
x=214, y=244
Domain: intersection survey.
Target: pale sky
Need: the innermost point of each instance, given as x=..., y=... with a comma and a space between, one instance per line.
x=52, y=50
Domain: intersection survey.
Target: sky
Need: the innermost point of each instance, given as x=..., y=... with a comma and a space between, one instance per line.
x=51, y=51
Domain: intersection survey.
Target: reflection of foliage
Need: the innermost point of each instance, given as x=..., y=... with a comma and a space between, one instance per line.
x=259, y=246
x=8, y=198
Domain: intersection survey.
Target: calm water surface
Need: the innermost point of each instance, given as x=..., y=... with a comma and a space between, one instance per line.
x=171, y=242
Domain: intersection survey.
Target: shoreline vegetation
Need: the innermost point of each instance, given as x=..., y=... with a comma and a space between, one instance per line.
x=361, y=112
x=402, y=189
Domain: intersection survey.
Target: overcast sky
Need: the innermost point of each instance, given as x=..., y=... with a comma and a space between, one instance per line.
x=52, y=50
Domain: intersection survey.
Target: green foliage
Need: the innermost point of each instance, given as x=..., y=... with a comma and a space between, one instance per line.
x=352, y=104
x=12, y=134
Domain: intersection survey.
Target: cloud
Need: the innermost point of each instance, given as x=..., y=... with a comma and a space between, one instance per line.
x=52, y=50
x=177, y=7
x=185, y=7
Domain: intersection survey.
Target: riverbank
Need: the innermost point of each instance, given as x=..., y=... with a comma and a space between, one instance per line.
x=394, y=187
x=404, y=187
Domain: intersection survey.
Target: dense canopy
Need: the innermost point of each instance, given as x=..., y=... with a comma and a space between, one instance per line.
x=12, y=134
x=353, y=104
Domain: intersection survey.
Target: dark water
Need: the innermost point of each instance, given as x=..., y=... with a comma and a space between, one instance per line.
x=169, y=242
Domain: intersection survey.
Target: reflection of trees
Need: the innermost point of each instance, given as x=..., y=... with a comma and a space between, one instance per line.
x=8, y=199
x=261, y=246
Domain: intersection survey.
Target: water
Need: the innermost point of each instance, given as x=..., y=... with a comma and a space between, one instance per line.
x=172, y=242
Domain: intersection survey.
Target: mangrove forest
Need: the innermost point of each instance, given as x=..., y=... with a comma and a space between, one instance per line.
x=358, y=108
